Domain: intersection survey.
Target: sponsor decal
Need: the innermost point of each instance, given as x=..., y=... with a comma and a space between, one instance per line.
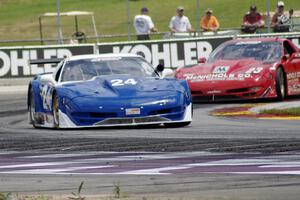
x=294, y=75
x=216, y=77
x=221, y=69
x=46, y=94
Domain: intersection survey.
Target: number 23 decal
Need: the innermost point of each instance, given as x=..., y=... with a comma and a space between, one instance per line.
x=120, y=82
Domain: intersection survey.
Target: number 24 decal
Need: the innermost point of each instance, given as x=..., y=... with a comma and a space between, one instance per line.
x=120, y=82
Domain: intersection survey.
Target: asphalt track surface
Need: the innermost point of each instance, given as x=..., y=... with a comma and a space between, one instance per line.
x=241, y=139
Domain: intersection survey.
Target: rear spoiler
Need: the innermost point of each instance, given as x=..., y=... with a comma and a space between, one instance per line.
x=46, y=61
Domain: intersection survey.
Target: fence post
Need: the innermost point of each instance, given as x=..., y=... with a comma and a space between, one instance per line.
x=198, y=16
x=128, y=19
x=58, y=23
x=268, y=16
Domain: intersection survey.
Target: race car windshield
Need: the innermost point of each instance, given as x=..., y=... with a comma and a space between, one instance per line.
x=86, y=69
x=263, y=51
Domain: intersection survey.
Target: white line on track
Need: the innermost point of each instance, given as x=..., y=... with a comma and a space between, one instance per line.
x=135, y=163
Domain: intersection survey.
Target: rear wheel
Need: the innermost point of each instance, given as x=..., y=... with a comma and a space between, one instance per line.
x=31, y=108
x=55, y=111
x=176, y=125
x=280, y=84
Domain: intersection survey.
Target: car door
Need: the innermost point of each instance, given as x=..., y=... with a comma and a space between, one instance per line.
x=292, y=67
x=47, y=86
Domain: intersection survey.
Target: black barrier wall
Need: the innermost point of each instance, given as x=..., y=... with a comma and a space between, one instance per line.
x=14, y=62
x=171, y=53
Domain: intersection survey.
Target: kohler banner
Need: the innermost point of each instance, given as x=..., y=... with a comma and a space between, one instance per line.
x=172, y=53
x=14, y=62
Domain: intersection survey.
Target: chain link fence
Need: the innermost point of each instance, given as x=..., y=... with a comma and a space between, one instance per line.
x=29, y=34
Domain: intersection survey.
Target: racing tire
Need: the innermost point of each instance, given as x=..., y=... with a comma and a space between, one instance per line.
x=31, y=108
x=55, y=111
x=280, y=84
x=176, y=125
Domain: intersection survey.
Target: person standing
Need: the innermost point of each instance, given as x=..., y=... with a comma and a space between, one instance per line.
x=252, y=20
x=180, y=23
x=280, y=22
x=143, y=25
x=209, y=22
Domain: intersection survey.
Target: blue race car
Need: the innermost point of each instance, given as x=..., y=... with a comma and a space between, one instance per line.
x=107, y=90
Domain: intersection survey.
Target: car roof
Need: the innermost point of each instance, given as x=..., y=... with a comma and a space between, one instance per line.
x=105, y=55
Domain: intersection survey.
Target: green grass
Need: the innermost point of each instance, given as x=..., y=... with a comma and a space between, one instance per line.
x=19, y=18
x=289, y=111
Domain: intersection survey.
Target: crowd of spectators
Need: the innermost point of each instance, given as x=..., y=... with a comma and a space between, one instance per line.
x=252, y=21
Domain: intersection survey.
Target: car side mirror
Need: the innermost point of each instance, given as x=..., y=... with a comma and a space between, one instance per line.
x=160, y=68
x=202, y=60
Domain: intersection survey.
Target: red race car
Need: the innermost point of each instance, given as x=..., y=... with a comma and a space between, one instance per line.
x=246, y=69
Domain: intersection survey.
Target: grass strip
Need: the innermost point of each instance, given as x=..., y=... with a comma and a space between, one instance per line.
x=288, y=111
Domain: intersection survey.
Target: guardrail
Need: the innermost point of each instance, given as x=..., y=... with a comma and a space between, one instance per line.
x=124, y=37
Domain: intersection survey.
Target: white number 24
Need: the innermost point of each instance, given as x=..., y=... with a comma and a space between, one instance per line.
x=120, y=82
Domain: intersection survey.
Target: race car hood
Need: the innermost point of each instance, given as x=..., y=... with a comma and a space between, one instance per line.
x=223, y=67
x=121, y=86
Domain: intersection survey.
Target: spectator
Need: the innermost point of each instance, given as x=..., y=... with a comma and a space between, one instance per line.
x=252, y=20
x=143, y=25
x=280, y=22
x=209, y=22
x=180, y=23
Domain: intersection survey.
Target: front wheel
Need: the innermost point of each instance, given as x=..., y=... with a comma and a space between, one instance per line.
x=55, y=111
x=280, y=84
x=177, y=124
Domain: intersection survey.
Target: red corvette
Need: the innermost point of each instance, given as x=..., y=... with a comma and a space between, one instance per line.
x=246, y=69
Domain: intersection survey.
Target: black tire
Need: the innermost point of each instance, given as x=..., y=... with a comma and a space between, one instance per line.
x=55, y=111
x=176, y=125
x=280, y=84
x=31, y=108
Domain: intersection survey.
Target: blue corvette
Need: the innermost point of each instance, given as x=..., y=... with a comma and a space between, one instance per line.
x=107, y=90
